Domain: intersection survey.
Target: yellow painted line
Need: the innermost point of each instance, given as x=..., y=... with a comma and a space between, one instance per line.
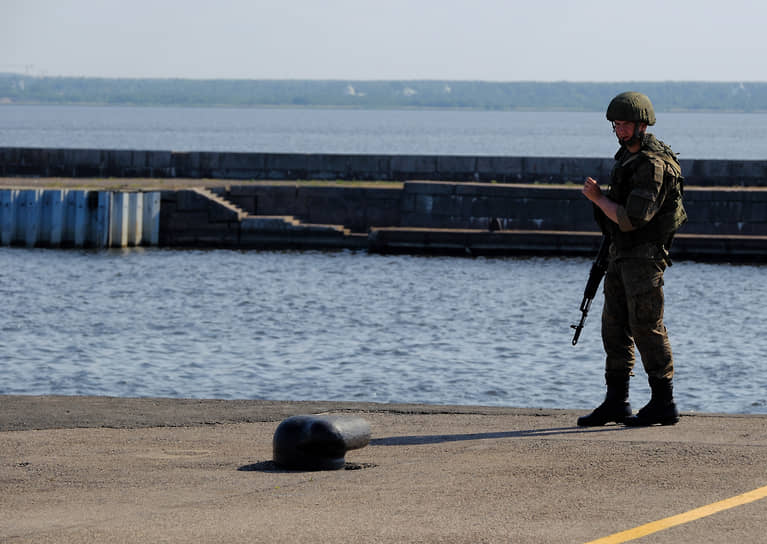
x=680, y=519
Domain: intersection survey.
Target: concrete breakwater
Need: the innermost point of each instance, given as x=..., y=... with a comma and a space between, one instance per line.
x=415, y=217
x=439, y=217
x=464, y=204
x=19, y=161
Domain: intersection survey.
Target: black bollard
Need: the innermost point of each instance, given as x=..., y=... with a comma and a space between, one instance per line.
x=318, y=442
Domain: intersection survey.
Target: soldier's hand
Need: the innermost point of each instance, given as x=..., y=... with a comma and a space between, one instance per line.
x=591, y=189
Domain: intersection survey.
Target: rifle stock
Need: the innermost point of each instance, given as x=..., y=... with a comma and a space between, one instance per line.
x=597, y=272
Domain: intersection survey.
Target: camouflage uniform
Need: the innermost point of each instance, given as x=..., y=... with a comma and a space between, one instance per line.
x=647, y=188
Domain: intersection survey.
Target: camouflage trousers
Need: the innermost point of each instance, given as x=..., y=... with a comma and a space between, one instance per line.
x=633, y=316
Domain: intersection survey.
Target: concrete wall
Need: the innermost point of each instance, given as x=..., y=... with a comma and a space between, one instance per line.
x=542, y=218
x=725, y=224
x=198, y=218
x=287, y=166
x=189, y=218
x=356, y=208
x=473, y=205
x=69, y=218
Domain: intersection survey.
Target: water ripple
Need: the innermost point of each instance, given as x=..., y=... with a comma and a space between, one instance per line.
x=353, y=326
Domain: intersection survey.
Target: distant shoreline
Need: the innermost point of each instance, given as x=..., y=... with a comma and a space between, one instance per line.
x=352, y=108
x=669, y=96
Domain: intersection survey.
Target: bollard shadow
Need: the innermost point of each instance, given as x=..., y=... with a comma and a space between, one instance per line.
x=263, y=466
x=272, y=467
x=417, y=440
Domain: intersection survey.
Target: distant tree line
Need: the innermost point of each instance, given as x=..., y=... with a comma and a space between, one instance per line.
x=534, y=96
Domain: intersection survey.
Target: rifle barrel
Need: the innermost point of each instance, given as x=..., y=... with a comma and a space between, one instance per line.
x=578, y=328
x=597, y=272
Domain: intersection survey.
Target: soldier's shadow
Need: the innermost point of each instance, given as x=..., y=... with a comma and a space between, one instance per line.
x=415, y=440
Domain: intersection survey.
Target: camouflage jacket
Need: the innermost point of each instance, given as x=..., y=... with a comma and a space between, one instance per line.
x=648, y=188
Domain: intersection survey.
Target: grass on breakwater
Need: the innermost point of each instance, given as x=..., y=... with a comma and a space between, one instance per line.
x=171, y=184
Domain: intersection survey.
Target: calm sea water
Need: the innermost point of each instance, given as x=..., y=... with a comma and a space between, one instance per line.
x=355, y=326
x=692, y=135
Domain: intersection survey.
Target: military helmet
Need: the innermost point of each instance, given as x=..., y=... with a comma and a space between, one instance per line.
x=631, y=106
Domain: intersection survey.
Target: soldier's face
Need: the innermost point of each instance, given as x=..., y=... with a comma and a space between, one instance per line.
x=624, y=130
x=628, y=133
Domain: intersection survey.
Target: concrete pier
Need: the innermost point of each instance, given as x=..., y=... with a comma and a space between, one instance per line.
x=726, y=223
x=447, y=218
x=94, y=469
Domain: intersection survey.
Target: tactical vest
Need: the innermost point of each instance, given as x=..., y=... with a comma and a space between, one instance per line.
x=671, y=215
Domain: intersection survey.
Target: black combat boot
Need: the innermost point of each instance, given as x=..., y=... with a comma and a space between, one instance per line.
x=615, y=408
x=661, y=410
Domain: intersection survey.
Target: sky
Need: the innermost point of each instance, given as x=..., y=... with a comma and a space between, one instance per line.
x=485, y=40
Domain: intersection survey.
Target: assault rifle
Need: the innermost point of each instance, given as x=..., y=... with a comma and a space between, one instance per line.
x=598, y=269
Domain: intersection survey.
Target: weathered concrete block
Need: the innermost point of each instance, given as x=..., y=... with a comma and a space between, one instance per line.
x=692, y=196
x=446, y=205
x=117, y=160
x=506, y=207
x=429, y=187
x=326, y=166
x=80, y=157
x=492, y=190
x=285, y=166
x=185, y=165
x=727, y=211
x=208, y=164
x=187, y=201
x=381, y=194
x=482, y=206
x=500, y=168
x=537, y=168
x=322, y=204
x=265, y=224
x=561, y=193
x=385, y=216
x=186, y=221
x=424, y=205
x=414, y=166
x=241, y=161
x=159, y=160
x=236, y=166
x=218, y=213
x=757, y=212
x=527, y=191
x=276, y=199
x=457, y=168
x=248, y=203
x=375, y=167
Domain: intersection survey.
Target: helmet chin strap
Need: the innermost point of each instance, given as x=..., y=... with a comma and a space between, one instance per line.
x=636, y=137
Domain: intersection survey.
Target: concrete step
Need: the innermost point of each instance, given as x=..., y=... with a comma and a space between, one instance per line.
x=210, y=195
x=271, y=223
x=288, y=223
x=285, y=231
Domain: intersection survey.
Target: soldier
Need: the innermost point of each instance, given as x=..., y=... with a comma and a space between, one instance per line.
x=640, y=213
